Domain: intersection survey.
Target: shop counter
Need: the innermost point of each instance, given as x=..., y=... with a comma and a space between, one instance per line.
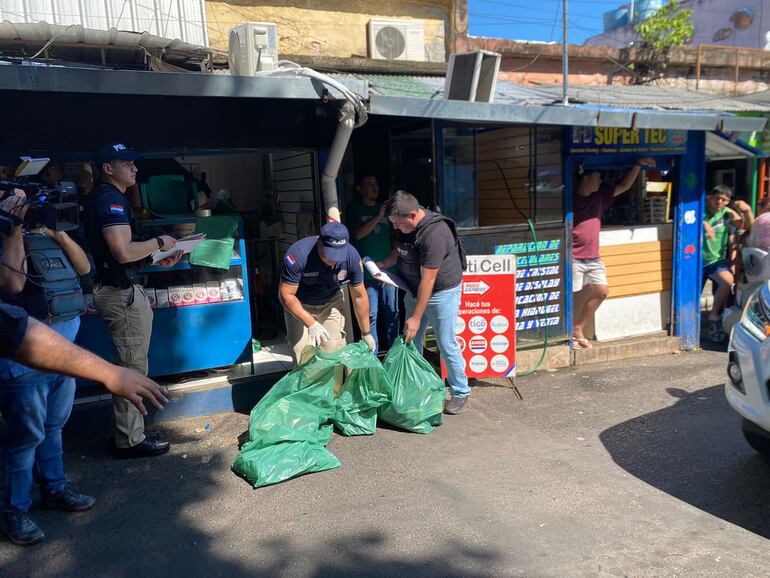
x=202, y=316
x=639, y=271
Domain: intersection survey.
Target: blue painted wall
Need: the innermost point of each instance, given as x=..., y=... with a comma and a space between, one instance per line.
x=688, y=216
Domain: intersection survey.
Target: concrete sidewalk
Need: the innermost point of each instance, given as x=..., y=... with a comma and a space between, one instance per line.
x=602, y=470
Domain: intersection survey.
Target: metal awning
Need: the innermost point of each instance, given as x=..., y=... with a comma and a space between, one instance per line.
x=53, y=79
x=719, y=148
x=556, y=114
x=40, y=78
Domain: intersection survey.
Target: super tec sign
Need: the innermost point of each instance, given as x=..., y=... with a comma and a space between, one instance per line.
x=486, y=325
x=610, y=140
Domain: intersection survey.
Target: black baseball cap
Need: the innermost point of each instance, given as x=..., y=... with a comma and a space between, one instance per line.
x=335, y=239
x=115, y=151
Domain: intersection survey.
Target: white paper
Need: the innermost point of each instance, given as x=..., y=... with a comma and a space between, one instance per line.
x=185, y=244
x=384, y=277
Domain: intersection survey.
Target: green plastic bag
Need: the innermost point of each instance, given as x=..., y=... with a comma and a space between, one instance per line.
x=290, y=427
x=417, y=399
x=365, y=389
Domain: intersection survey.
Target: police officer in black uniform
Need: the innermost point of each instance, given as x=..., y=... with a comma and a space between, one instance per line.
x=119, y=296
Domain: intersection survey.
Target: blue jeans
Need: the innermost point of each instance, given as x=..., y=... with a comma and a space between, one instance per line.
x=441, y=314
x=383, y=298
x=35, y=407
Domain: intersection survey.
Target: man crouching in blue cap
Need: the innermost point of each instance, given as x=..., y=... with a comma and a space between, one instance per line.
x=314, y=271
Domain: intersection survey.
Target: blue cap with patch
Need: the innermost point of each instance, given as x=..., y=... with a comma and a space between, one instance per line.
x=115, y=151
x=335, y=238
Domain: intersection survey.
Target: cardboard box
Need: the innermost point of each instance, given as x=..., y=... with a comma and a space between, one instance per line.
x=188, y=297
x=161, y=296
x=151, y=297
x=212, y=291
x=175, y=296
x=200, y=293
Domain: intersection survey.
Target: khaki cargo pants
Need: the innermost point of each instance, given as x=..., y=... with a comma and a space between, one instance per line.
x=129, y=320
x=329, y=315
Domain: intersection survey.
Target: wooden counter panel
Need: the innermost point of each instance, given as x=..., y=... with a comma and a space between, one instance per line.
x=638, y=268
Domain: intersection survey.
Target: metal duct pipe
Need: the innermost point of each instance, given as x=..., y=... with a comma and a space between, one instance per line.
x=345, y=128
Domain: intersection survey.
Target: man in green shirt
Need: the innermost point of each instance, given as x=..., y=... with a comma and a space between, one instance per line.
x=371, y=232
x=719, y=226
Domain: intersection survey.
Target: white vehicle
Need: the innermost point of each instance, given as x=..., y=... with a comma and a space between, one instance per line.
x=748, y=370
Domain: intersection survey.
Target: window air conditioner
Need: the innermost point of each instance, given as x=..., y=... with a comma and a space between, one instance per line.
x=252, y=47
x=472, y=76
x=397, y=40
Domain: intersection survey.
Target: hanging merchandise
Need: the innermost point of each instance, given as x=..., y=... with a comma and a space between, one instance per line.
x=418, y=392
x=290, y=427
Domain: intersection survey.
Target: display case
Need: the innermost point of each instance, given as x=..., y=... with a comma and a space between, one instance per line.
x=202, y=316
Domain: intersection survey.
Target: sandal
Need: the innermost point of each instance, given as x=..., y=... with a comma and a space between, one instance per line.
x=581, y=342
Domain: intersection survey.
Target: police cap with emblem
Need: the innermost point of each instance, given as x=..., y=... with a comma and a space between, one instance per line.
x=115, y=151
x=334, y=238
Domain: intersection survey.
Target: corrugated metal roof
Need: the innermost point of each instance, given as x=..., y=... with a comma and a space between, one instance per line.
x=655, y=97
x=719, y=148
x=762, y=97
x=77, y=34
x=432, y=87
x=620, y=96
x=182, y=19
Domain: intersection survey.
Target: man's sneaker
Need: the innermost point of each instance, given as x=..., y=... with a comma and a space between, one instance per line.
x=456, y=405
x=148, y=448
x=21, y=529
x=68, y=499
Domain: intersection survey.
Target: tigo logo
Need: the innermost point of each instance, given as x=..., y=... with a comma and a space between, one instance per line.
x=477, y=324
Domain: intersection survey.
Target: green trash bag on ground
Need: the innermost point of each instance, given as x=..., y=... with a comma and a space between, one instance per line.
x=290, y=427
x=417, y=399
x=366, y=388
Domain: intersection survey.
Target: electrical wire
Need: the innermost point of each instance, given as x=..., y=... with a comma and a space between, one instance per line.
x=532, y=231
x=287, y=67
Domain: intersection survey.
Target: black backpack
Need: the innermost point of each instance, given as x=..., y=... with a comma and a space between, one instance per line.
x=436, y=218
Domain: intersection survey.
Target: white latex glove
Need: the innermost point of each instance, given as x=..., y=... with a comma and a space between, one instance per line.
x=317, y=334
x=369, y=340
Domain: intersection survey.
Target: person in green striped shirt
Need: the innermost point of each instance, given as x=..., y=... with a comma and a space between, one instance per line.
x=720, y=225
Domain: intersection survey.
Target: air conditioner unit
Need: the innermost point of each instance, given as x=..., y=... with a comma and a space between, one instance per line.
x=252, y=47
x=472, y=76
x=397, y=40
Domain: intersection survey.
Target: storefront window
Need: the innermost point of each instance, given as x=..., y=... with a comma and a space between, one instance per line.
x=458, y=154
x=501, y=176
x=492, y=182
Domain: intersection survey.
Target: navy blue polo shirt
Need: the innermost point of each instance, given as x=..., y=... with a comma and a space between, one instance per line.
x=318, y=283
x=107, y=207
x=13, y=327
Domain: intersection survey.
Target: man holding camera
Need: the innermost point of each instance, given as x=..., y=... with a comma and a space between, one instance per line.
x=119, y=296
x=36, y=405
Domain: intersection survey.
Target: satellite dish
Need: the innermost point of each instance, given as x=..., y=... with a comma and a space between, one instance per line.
x=390, y=42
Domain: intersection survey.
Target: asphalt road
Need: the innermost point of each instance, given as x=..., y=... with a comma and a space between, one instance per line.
x=634, y=468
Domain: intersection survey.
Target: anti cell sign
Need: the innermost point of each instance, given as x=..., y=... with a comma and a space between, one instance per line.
x=486, y=326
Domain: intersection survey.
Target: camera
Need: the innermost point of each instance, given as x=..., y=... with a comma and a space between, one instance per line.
x=47, y=206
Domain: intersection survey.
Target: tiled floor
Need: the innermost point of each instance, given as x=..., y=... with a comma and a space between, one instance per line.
x=274, y=356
